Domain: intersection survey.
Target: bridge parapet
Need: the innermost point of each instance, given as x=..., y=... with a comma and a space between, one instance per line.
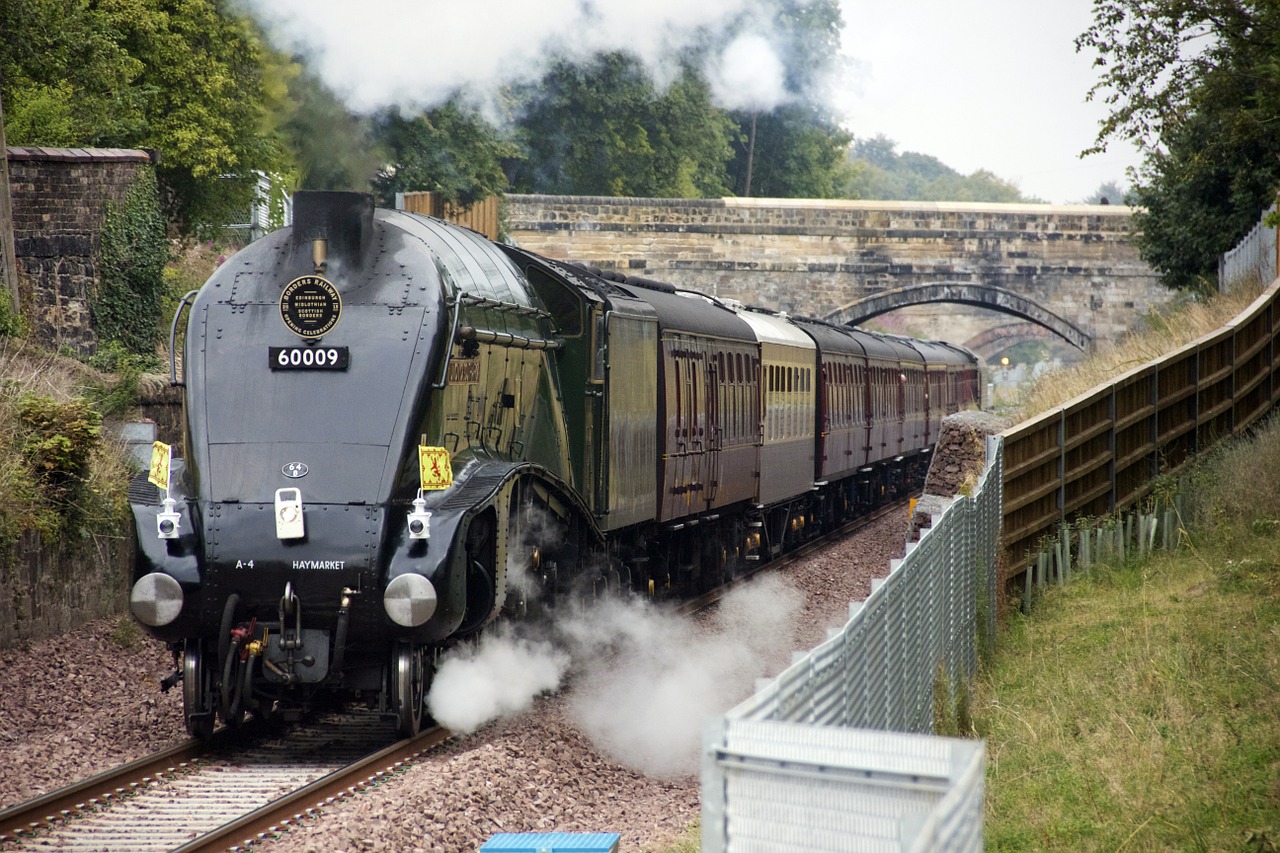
x=815, y=257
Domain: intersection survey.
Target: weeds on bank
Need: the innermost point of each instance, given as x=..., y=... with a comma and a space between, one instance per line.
x=57, y=475
x=60, y=474
x=1138, y=707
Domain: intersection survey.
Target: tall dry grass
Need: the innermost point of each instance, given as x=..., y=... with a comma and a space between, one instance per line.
x=1162, y=332
x=28, y=369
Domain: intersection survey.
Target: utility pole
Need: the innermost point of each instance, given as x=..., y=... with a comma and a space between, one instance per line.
x=8, y=265
x=751, y=153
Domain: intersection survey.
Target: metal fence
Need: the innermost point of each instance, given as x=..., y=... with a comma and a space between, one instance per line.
x=270, y=208
x=829, y=755
x=1253, y=260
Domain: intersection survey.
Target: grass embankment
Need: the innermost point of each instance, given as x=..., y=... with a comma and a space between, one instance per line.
x=1138, y=708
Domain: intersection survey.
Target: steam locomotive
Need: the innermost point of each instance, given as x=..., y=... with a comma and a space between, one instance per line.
x=397, y=430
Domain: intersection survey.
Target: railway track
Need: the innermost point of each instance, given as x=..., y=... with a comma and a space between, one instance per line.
x=248, y=786
x=220, y=795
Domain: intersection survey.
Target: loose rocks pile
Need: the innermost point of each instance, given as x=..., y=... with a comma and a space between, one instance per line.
x=958, y=460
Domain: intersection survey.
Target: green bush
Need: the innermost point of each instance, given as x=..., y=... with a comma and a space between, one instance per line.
x=115, y=396
x=127, y=308
x=60, y=441
x=11, y=323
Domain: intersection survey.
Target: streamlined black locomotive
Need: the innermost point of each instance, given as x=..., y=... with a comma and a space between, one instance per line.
x=397, y=430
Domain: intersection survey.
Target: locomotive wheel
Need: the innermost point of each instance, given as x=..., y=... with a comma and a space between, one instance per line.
x=197, y=698
x=234, y=688
x=410, y=678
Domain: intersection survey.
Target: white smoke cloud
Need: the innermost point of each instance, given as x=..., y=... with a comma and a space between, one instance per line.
x=644, y=679
x=418, y=53
x=748, y=75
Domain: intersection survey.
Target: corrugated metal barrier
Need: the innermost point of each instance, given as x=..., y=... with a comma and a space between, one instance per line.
x=833, y=754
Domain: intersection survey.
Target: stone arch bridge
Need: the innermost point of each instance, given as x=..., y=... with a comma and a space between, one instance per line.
x=961, y=293
x=953, y=271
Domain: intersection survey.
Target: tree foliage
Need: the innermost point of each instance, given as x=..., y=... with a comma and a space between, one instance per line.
x=183, y=77
x=195, y=81
x=625, y=138
x=796, y=149
x=880, y=172
x=449, y=150
x=1197, y=83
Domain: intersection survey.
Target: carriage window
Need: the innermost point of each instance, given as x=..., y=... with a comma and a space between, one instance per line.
x=677, y=384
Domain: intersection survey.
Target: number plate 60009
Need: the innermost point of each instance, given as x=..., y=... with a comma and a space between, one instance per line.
x=308, y=358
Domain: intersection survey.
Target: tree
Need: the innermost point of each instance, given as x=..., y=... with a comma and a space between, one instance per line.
x=66, y=79
x=449, y=150
x=625, y=138
x=183, y=77
x=1196, y=83
x=796, y=149
x=1108, y=192
x=879, y=172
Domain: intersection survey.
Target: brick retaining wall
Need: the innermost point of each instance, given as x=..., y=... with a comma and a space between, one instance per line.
x=60, y=197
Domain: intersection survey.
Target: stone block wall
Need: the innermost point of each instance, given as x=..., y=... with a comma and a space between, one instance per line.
x=60, y=197
x=48, y=590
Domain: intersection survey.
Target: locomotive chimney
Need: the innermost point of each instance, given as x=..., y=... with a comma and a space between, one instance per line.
x=342, y=221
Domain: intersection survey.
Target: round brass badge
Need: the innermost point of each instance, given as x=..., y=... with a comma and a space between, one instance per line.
x=310, y=306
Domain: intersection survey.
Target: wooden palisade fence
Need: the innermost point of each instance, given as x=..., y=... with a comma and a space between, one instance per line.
x=1100, y=453
x=480, y=216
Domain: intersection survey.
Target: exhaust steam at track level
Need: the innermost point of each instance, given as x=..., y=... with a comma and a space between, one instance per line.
x=642, y=679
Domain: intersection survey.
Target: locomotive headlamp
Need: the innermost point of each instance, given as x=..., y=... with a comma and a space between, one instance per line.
x=156, y=599
x=289, y=523
x=410, y=600
x=167, y=520
x=419, y=519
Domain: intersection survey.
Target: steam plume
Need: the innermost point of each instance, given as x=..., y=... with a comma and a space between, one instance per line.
x=417, y=54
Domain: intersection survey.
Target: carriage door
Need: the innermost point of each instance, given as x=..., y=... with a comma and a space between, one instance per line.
x=715, y=389
x=595, y=466
x=696, y=395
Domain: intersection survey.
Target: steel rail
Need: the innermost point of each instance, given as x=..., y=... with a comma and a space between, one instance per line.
x=100, y=790
x=276, y=817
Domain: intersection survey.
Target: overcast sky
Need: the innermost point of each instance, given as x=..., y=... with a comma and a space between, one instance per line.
x=982, y=84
